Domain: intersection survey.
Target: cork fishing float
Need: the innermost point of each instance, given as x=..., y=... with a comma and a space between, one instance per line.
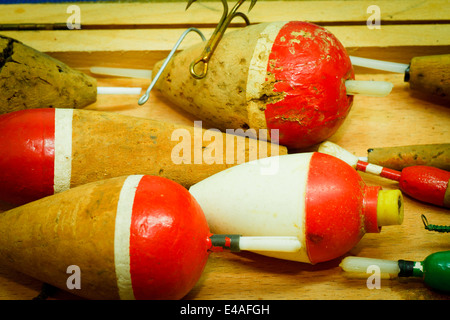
x=31, y=79
x=424, y=183
x=294, y=77
x=315, y=197
x=399, y=157
x=434, y=270
x=134, y=237
x=427, y=74
x=45, y=151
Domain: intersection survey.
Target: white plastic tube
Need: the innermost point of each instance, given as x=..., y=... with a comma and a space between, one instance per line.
x=368, y=88
x=119, y=90
x=123, y=72
x=338, y=152
x=279, y=244
x=379, y=64
x=359, y=265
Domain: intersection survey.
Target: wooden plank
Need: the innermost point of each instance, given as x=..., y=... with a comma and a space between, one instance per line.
x=164, y=39
x=142, y=48
x=174, y=13
x=147, y=59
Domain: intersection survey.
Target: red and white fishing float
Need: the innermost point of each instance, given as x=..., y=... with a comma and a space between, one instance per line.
x=147, y=237
x=294, y=78
x=315, y=197
x=135, y=237
x=46, y=151
x=424, y=183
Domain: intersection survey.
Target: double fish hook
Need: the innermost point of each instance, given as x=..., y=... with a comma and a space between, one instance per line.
x=209, y=48
x=217, y=35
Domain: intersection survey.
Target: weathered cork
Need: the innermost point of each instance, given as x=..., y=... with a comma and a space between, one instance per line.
x=106, y=144
x=31, y=79
x=222, y=93
x=76, y=227
x=398, y=158
x=429, y=74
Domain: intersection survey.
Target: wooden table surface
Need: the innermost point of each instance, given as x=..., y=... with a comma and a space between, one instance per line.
x=402, y=118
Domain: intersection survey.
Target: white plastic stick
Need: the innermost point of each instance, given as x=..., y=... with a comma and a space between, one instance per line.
x=359, y=265
x=338, y=152
x=119, y=90
x=123, y=72
x=281, y=244
x=379, y=65
x=368, y=88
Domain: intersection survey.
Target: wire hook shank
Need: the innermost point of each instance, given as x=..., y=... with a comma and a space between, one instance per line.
x=143, y=99
x=217, y=36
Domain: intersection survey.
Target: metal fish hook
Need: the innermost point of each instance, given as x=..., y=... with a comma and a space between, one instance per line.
x=143, y=99
x=217, y=35
x=433, y=227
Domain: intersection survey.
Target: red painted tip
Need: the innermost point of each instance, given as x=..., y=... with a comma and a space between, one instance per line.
x=168, y=242
x=310, y=67
x=424, y=183
x=27, y=143
x=339, y=208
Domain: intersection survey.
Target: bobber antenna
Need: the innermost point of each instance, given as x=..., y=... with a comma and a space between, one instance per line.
x=434, y=269
x=236, y=243
x=217, y=35
x=428, y=74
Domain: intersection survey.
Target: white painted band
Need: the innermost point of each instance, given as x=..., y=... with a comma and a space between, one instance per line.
x=122, y=237
x=374, y=169
x=63, y=150
x=257, y=72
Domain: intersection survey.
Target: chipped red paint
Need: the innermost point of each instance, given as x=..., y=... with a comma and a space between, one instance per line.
x=168, y=240
x=424, y=183
x=339, y=208
x=310, y=66
x=28, y=165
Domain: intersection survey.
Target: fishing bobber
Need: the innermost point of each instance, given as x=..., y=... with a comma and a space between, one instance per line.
x=315, y=197
x=295, y=77
x=426, y=74
x=424, y=183
x=135, y=237
x=46, y=151
x=399, y=157
x=32, y=79
x=434, y=270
